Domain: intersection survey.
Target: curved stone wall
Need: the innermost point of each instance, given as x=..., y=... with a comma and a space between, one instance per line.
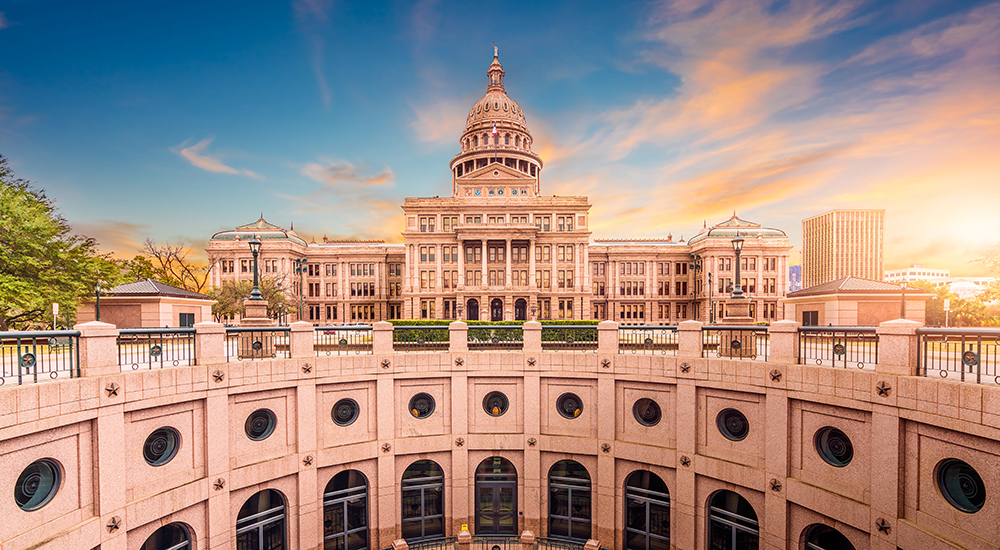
x=95, y=429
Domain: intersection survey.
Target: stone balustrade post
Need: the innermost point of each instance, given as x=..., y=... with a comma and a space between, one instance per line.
x=209, y=343
x=400, y=544
x=689, y=339
x=527, y=540
x=783, y=339
x=458, y=337
x=464, y=538
x=382, y=338
x=898, y=346
x=607, y=337
x=301, y=336
x=532, y=331
x=592, y=544
x=98, y=348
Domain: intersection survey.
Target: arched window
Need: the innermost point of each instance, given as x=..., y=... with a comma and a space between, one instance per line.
x=496, y=139
x=732, y=523
x=173, y=536
x=569, y=501
x=647, y=512
x=423, y=501
x=517, y=141
x=475, y=141
x=822, y=537
x=496, y=497
x=506, y=139
x=345, y=512
x=260, y=524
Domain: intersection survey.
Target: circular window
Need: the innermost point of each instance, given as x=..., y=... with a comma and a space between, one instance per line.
x=834, y=447
x=495, y=403
x=37, y=484
x=646, y=412
x=733, y=424
x=960, y=485
x=421, y=405
x=161, y=446
x=260, y=424
x=345, y=412
x=569, y=405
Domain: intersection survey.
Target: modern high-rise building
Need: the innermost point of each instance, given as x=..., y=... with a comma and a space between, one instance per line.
x=842, y=243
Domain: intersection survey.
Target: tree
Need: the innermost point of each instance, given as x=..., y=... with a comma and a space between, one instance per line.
x=171, y=264
x=229, y=298
x=41, y=260
x=991, y=259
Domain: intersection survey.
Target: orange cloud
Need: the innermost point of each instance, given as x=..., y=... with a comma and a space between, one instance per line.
x=195, y=154
x=121, y=239
x=340, y=173
x=439, y=122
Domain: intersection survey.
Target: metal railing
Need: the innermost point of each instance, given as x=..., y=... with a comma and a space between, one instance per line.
x=420, y=338
x=838, y=346
x=544, y=543
x=248, y=343
x=24, y=355
x=444, y=543
x=966, y=354
x=148, y=348
x=495, y=338
x=496, y=542
x=579, y=338
x=648, y=340
x=344, y=340
x=735, y=342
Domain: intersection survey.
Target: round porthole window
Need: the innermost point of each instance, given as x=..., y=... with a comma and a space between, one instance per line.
x=260, y=424
x=646, y=412
x=37, y=484
x=732, y=424
x=345, y=412
x=421, y=405
x=961, y=485
x=161, y=446
x=834, y=447
x=495, y=403
x=569, y=405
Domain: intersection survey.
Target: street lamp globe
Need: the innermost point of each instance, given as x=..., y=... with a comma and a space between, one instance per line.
x=738, y=244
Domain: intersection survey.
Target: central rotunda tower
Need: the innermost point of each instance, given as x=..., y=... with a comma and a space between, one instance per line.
x=496, y=146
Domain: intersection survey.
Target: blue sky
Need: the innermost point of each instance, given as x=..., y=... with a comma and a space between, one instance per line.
x=173, y=121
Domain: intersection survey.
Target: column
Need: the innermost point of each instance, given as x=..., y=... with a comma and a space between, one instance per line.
x=406, y=270
x=485, y=277
x=531, y=267
x=439, y=285
x=507, y=273
x=461, y=265
x=586, y=266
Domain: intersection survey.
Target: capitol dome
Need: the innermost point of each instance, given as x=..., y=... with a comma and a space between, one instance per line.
x=495, y=107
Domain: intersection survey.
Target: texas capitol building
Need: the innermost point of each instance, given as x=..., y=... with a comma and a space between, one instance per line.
x=497, y=249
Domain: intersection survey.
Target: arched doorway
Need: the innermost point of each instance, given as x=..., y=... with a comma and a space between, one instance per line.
x=345, y=512
x=260, y=524
x=173, y=536
x=822, y=537
x=732, y=523
x=496, y=310
x=496, y=497
x=423, y=501
x=569, y=501
x=521, y=310
x=647, y=512
x=472, y=310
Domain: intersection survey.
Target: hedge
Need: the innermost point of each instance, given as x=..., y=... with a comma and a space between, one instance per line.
x=437, y=331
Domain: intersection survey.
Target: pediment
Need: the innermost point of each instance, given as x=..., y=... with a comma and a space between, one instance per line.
x=494, y=172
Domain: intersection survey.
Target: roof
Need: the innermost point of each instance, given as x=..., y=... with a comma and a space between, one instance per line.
x=149, y=287
x=261, y=229
x=849, y=285
x=736, y=226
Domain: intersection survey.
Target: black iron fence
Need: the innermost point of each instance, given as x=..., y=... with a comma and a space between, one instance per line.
x=579, y=338
x=248, y=343
x=966, y=354
x=148, y=348
x=420, y=338
x=345, y=340
x=735, y=342
x=31, y=356
x=543, y=543
x=838, y=346
x=495, y=338
x=495, y=543
x=648, y=340
x=444, y=543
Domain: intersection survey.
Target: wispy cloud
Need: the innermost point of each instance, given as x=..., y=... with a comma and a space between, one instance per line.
x=440, y=122
x=122, y=239
x=4, y=22
x=196, y=155
x=341, y=175
x=313, y=18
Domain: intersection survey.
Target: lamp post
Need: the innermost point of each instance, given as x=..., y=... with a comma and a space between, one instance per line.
x=737, y=287
x=97, y=294
x=695, y=266
x=300, y=268
x=255, y=250
x=934, y=311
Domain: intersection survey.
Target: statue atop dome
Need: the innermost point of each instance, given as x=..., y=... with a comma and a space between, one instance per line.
x=496, y=51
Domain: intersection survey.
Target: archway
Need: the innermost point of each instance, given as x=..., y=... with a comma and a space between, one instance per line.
x=260, y=524
x=173, y=536
x=823, y=537
x=732, y=523
x=647, y=512
x=521, y=310
x=569, y=501
x=423, y=501
x=496, y=497
x=345, y=512
x=472, y=310
x=496, y=309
